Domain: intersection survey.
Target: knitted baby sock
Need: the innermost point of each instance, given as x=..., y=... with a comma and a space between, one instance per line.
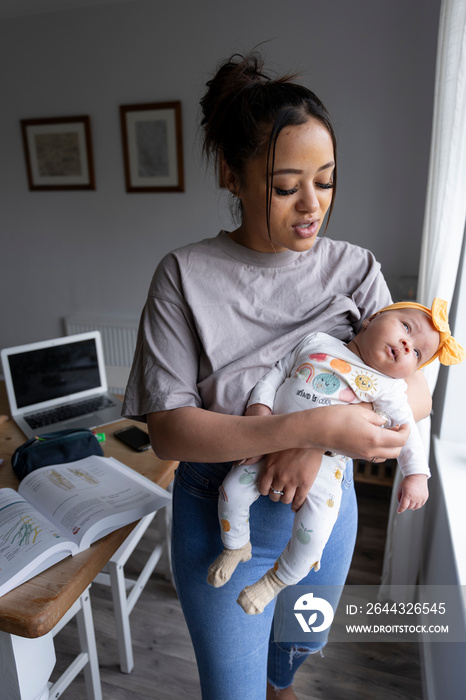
x=221, y=570
x=253, y=599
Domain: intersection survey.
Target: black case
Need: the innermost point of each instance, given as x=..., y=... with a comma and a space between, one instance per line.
x=54, y=448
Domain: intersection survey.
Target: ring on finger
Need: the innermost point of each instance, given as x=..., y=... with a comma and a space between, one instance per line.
x=273, y=491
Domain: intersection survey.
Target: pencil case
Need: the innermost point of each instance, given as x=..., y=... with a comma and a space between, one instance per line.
x=54, y=448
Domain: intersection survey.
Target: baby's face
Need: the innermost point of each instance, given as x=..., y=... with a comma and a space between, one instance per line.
x=398, y=342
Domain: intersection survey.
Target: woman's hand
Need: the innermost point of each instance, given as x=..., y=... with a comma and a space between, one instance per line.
x=356, y=432
x=350, y=430
x=292, y=472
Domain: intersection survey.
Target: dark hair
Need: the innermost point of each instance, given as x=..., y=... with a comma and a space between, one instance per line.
x=244, y=111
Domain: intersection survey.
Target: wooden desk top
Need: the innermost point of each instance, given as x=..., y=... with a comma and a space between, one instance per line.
x=35, y=607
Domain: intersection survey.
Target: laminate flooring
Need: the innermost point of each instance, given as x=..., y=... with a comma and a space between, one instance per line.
x=165, y=667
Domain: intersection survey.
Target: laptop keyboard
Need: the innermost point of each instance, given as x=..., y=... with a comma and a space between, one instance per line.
x=67, y=411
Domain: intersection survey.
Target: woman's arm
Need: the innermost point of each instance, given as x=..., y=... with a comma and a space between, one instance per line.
x=197, y=435
x=419, y=397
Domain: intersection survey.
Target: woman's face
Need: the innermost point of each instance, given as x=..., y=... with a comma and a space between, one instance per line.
x=301, y=193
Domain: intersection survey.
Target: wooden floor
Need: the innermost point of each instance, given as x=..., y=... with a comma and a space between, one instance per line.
x=165, y=668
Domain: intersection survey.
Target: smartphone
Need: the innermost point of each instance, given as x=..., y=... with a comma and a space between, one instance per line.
x=134, y=437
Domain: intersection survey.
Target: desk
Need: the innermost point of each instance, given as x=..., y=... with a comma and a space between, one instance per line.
x=33, y=609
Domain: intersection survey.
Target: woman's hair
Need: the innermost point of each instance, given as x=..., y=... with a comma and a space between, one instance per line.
x=244, y=111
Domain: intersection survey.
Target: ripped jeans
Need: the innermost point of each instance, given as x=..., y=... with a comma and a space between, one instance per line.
x=235, y=652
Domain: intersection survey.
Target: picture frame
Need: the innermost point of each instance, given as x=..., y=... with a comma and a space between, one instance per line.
x=58, y=153
x=152, y=147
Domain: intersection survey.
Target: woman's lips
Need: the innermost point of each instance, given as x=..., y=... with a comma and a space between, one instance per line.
x=306, y=229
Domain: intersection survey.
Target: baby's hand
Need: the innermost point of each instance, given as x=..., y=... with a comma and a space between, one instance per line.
x=255, y=409
x=413, y=492
x=258, y=409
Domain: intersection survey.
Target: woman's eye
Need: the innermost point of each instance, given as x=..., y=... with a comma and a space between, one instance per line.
x=285, y=193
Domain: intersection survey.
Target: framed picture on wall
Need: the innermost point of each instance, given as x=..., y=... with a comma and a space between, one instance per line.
x=152, y=147
x=58, y=153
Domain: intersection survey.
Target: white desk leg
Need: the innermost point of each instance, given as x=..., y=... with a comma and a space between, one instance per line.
x=121, y=612
x=25, y=667
x=87, y=641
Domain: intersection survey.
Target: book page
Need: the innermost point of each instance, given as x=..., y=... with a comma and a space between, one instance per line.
x=89, y=498
x=29, y=543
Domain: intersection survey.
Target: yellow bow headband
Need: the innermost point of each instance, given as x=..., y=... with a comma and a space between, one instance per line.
x=449, y=351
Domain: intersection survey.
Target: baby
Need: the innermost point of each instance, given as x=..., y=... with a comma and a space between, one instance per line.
x=391, y=345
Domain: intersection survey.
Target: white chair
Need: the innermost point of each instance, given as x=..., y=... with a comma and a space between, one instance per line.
x=87, y=658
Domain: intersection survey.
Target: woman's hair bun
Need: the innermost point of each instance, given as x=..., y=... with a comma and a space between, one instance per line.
x=234, y=75
x=231, y=108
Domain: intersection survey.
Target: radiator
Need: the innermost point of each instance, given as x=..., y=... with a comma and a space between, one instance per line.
x=118, y=340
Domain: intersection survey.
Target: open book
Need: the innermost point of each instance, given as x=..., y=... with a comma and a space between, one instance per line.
x=62, y=509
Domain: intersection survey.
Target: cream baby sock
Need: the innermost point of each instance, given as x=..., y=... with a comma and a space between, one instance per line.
x=253, y=599
x=221, y=570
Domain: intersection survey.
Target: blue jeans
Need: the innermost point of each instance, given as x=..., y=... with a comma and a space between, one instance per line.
x=235, y=652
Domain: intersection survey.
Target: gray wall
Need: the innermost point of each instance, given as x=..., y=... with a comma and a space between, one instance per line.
x=371, y=61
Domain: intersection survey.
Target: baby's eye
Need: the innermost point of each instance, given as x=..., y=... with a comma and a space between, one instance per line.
x=285, y=193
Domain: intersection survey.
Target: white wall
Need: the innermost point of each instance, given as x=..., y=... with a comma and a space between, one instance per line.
x=443, y=566
x=371, y=61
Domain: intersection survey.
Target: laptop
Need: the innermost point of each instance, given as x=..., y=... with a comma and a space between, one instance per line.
x=59, y=384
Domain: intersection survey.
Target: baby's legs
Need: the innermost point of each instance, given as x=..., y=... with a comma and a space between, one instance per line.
x=237, y=493
x=312, y=526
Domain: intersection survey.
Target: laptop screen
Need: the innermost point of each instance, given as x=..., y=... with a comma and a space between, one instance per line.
x=53, y=372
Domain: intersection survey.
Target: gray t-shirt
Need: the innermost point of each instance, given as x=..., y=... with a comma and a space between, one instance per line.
x=219, y=315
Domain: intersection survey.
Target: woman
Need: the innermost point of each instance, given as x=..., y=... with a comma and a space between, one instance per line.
x=219, y=314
